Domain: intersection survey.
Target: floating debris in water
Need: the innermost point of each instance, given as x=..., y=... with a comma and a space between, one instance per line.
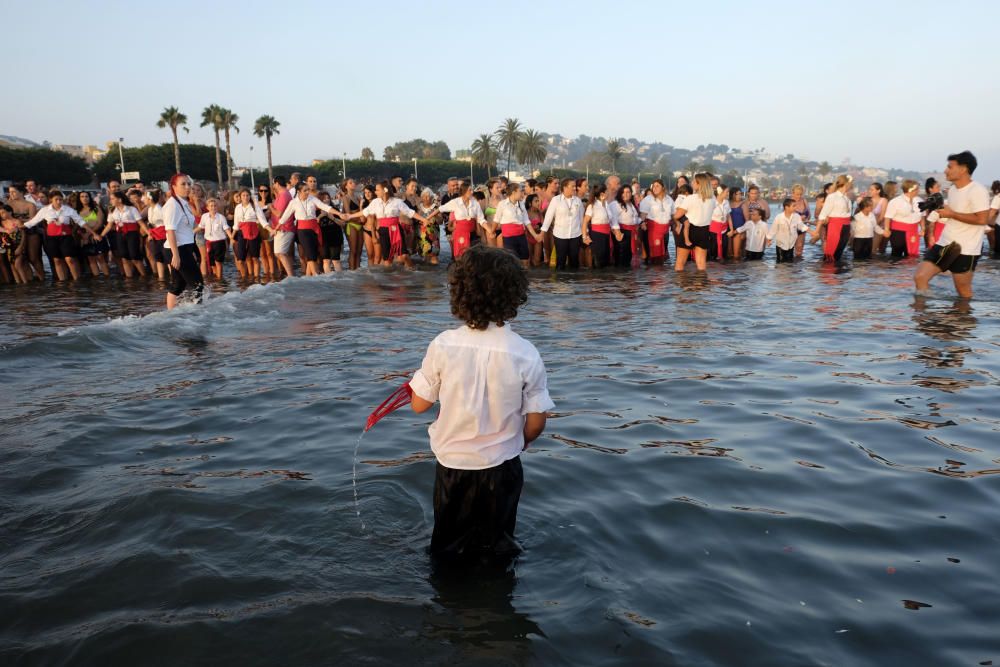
x=890, y=570
x=953, y=560
x=841, y=631
x=915, y=605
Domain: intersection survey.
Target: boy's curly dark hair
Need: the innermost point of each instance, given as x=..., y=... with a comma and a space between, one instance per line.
x=487, y=285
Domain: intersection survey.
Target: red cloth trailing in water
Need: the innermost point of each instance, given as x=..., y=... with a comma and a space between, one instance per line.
x=834, y=228
x=396, y=400
x=718, y=228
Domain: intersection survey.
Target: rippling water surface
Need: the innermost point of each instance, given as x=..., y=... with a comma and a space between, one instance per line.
x=786, y=465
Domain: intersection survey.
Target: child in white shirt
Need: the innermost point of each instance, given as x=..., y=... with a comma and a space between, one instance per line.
x=784, y=231
x=494, y=399
x=755, y=230
x=864, y=226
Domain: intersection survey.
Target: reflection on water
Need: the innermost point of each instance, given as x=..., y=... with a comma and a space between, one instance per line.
x=750, y=467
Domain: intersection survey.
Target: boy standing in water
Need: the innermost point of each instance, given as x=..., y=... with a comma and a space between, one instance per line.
x=494, y=398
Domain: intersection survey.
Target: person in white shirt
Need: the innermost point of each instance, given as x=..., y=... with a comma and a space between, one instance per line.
x=965, y=214
x=307, y=230
x=59, y=241
x=386, y=209
x=248, y=218
x=626, y=217
x=696, y=214
x=656, y=211
x=903, y=221
x=217, y=232
x=755, y=232
x=494, y=402
x=599, y=226
x=564, y=216
x=466, y=213
x=182, y=252
x=864, y=227
x=157, y=232
x=721, y=223
x=784, y=231
x=512, y=218
x=126, y=221
x=993, y=228
x=933, y=226
x=835, y=219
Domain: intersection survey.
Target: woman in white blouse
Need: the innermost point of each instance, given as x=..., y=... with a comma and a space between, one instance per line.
x=182, y=253
x=657, y=211
x=59, y=241
x=248, y=219
x=598, y=227
x=157, y=232
x=217, y=232
x=468, y=214
x=904, y=220
x=127, y=221
x=307, y=230
x=386, y=210
x=697, y=208
x=835, y=218
x=512, y=219
x=626, y=216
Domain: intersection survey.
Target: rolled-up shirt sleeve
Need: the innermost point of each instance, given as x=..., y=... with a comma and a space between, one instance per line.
x=426, y=382
x=535, y=393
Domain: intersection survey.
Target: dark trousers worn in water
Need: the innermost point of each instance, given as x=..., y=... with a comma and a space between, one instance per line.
x=862, y=248
x=475, y=511
x=783, y=256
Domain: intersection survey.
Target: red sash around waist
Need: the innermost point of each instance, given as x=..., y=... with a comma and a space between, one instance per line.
x=395, y=237
x=938, y=229
x=718, y=228
x=58, y=229
x=158, y=233
x=250, y=229
x=126, y=227
x=462, y=235
x=311, y=224
x=657, y=233
x=512, y=229
x=912, y=231
x=834, y=228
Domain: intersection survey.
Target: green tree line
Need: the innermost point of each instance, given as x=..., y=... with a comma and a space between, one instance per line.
x=43, y=165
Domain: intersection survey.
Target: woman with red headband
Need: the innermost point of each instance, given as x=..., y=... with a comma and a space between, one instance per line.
x=181, y=251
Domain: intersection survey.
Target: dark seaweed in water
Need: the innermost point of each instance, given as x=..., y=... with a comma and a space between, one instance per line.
x=752, y=468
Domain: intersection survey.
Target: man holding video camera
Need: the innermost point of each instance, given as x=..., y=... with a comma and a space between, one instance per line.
x=965, y=214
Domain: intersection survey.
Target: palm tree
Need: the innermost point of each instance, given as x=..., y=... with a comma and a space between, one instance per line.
x=824, y=169
x=173, y=118
x=614, y=152
x=367, y=154
x=531, y=149
x=267, y=127
x=227, y=120
x=508, y=136
x=804, y=174
x=484, y=152
x=691, y=168
x=211, y=115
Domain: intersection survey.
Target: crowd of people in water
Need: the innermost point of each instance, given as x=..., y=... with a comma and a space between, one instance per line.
x=565, y=224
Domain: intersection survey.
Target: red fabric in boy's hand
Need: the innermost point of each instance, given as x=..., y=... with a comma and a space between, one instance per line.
x=396, y=400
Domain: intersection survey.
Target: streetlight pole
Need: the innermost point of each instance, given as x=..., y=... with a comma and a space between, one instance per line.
x=121, y=158
x=253, y=188
x=343, y=164
x=415, y=169
x=472, y=178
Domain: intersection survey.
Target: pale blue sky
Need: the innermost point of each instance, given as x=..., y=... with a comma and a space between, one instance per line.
x=885, y=83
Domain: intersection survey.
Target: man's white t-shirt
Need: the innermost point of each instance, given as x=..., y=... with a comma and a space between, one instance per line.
x=973, y=198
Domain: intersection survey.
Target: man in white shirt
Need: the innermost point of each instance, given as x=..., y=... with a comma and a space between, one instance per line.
x=565, y=216
x=966, y=212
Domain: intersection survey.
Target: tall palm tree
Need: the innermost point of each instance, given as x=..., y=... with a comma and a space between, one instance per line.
x=267, y=127
x=367, y=154
x=228, y=120
x=824, y=169
x=212, y=116
x=531, y=149
x=484, y=152
x=614, y=152
x=507, y=137
x=173, y=118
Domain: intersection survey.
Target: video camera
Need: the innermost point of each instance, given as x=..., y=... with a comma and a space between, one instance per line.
x=932, y=203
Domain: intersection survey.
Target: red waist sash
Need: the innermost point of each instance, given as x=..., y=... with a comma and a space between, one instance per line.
x=250, y=229
x=834, y=228
x=463, y=235
x=126, y=227
x=158, y=233
x=395, y=237
x=938, y=229
x=912, y=231
x=718, y=228
x=657, y=234
x=58, y=229
x=512, y=229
